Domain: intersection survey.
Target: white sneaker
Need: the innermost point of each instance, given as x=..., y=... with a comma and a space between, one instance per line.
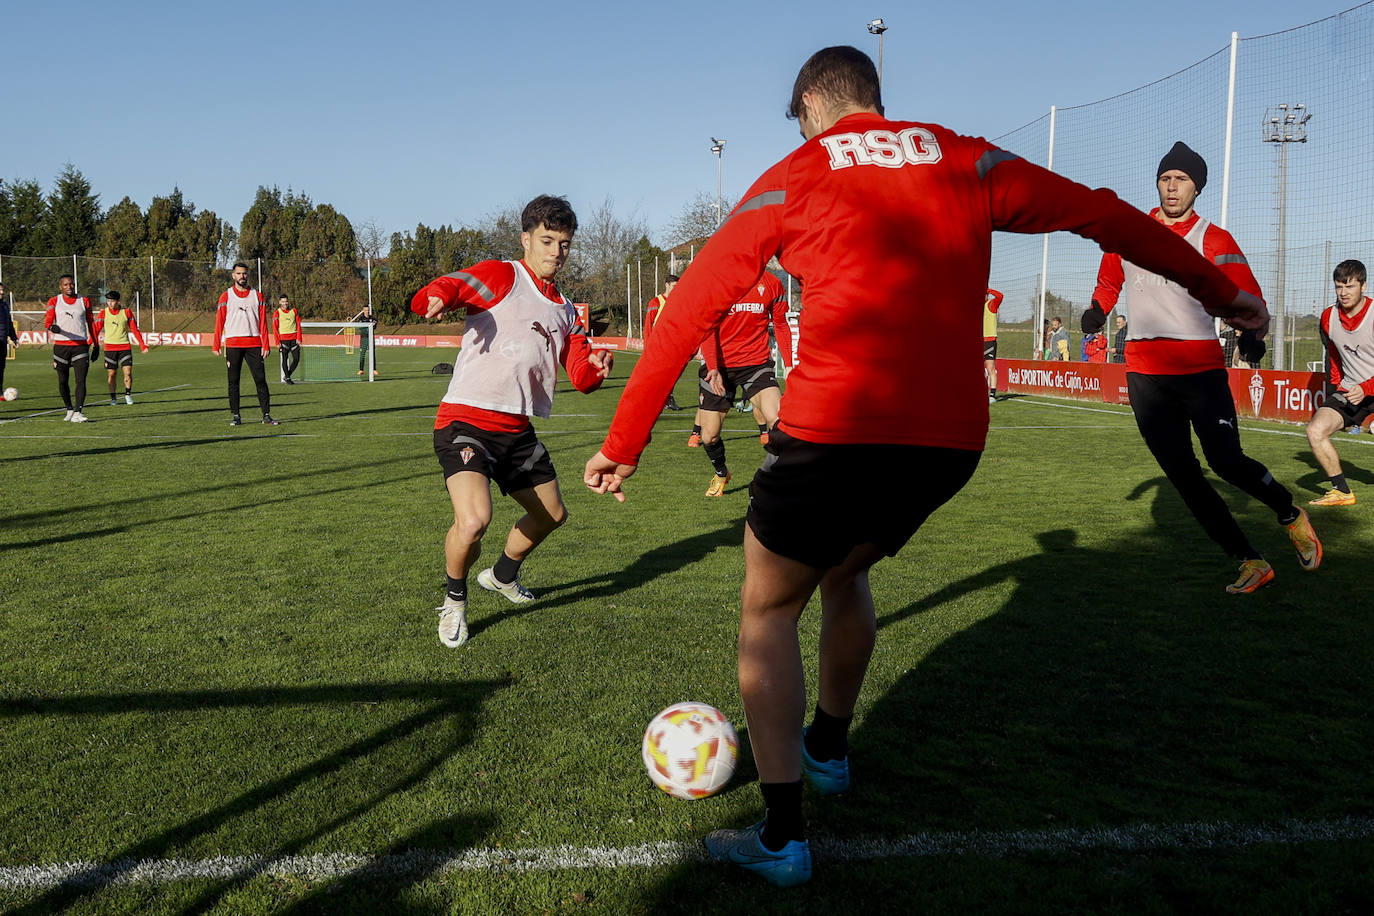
x=113, y=401
x=453, y=622
x=79, y=417
x=514, y=591
x=68, y=417
x=129, y=399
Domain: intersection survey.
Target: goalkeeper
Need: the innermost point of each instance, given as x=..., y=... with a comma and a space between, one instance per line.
x=1176, y=376
x=519, y=328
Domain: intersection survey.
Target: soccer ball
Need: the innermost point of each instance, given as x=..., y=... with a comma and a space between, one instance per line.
x=690, y=750
x=11, y=393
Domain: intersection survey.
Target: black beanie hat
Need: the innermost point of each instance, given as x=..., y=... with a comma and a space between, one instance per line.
x=1187, y=162
x=112, y=295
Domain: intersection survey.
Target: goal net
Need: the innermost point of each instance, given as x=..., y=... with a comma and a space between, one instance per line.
x=337, y=351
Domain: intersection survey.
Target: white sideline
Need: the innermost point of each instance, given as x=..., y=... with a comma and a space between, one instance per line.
x=985, y=843
x=44, y=413
x=1245, y=424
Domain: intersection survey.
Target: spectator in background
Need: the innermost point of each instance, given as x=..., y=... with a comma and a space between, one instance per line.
x=7, y=331
x=1118, y=350
x=1095, y=347
x=1045, y=339
x=1058, y=348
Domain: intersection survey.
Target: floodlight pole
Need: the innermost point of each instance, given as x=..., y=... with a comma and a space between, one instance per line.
x=1283, y=124
x=876, y=27
x=718, y=147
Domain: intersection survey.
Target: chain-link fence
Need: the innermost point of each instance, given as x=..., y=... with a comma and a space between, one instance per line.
x=1288, y=182
x=328, y=291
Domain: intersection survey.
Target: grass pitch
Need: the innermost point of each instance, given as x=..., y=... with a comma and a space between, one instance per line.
x=221, y=688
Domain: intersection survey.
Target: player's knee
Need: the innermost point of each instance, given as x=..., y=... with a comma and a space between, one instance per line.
x=470, y=530
x=558, y=516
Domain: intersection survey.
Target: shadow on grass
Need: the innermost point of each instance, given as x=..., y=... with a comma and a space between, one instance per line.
x=1355, y=463
x=636, y=574
x=454, y=706
x=1097, y=688
x=252, y=484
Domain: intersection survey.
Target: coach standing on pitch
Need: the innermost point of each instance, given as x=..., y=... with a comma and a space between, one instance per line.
x=864, y=212
x=241, y=328
x=1176, y=376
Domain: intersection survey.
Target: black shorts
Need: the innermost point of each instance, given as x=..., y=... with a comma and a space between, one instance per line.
x=750, y=379
x=799, y=508
x=1351, y=414
x=116, y=358
x=516, y=461
x=990, y=349
x=70, y=355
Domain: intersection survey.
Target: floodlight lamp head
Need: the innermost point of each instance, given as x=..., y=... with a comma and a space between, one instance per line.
x=876, y=27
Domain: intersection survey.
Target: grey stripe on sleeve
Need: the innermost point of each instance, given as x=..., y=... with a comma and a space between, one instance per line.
x=991, y=158
x=766, y=199
x=474, y=284
x=1229, y=259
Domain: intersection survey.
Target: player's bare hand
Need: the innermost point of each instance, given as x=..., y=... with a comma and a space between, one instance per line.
x=143, y=349
x=216, y=352
x=602, y=361
x=714, y=380
x=603, y=475
x=1354, y=395
x=1247, y=312
x=436, y=307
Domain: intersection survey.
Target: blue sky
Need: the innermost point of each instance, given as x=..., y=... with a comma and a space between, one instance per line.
x=402, y=113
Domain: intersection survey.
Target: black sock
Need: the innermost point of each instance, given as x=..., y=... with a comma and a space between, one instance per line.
x=828, y=736
x=1289, y=517
x=783, y=819
x=128, y=391
x=763, y=428
x=716, y=452
x=1338, y=481
x=458, y=588
x=506, y=570
x=697, y=429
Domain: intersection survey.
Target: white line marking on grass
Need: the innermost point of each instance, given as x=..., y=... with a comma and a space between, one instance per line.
x=985, y=843
x=44, y=413
x=1361, y=439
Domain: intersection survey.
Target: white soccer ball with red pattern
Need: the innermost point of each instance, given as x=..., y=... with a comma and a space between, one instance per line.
x=690, y=750
x=11, y=393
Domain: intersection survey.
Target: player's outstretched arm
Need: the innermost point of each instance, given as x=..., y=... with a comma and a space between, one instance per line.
x=1246, y=312
x=602, y=475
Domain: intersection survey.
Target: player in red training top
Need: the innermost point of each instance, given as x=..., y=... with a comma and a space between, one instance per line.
x=1176, y=376
x=519, y=328
x=241, y=330
x=1348, y=333
x=69, y=322
x=114, y=327
x=651, y=318
x=286, y=330
x=735, y=355
x=863, y=213
x=992, y=301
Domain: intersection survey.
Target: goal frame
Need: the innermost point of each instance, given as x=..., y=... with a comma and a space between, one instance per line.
x=337, y=328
